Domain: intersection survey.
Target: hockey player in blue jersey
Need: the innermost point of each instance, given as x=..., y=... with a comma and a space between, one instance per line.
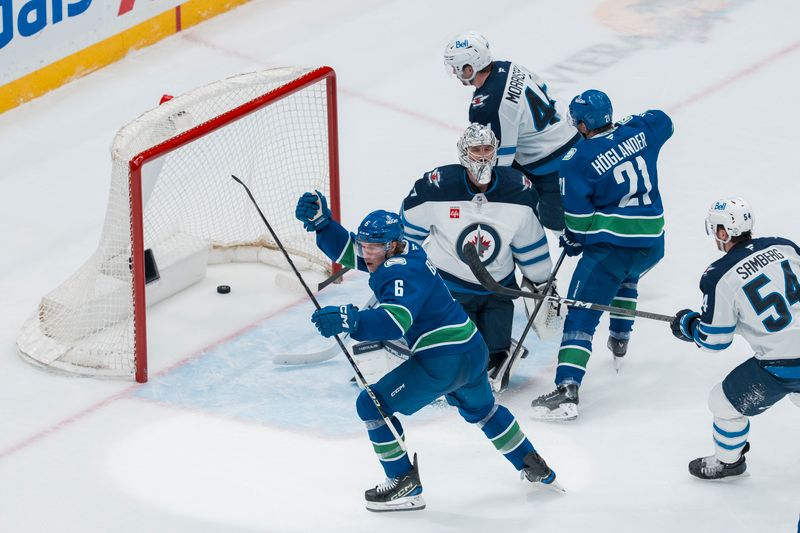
x=615, y=219
x=753, y=290
x=525, y=116
x=495, y=208
x=448, y=353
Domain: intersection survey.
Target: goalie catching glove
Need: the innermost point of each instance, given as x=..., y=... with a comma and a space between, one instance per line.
x=332, y=319
x=548, y=321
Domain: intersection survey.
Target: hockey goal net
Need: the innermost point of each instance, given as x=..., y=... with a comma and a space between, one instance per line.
x=174, y=208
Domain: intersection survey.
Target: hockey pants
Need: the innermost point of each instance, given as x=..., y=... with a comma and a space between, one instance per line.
x=748, y=390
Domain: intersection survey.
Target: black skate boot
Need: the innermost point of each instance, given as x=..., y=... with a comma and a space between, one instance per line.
x=618, y=347
x=561, y=404
x=537, y=471
x=496, y=361
x=402, y=493
x=712, y=468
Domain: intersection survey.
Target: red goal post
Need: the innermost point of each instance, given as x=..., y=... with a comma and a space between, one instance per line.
x=174, y=209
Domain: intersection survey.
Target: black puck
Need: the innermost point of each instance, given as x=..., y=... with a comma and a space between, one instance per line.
x=223, y=289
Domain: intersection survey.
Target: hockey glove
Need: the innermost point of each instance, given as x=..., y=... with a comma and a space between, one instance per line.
x=684, y=324
x=332, y=320
x=570, y=244
x=312, y=210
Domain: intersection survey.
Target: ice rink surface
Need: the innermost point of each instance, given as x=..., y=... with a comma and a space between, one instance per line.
x=222, y=440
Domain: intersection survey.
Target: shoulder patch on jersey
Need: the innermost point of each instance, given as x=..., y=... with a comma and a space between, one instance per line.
x=394, y=261
x=479, y=100
x=572, y=151
x=626, y=119
x=434, y=177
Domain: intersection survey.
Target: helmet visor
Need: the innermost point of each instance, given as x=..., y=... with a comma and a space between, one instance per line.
x=371, y=250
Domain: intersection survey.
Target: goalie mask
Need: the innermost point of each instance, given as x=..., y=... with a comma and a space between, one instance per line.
x=474, y=153
x=733, y=214
x=468, y=48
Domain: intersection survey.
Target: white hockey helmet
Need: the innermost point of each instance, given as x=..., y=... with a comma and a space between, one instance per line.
x=470, y=48
x=480, y=166
x=733, y=214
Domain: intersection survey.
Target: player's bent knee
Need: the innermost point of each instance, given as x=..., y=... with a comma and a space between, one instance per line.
x=365, y=408
x=720, y=406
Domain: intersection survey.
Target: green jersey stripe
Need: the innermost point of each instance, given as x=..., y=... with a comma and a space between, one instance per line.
x=454, y=334
x=401, y=315
x=348, y=255
x=620, y=225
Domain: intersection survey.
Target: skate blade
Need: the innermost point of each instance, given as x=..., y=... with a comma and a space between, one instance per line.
x=555, y=486
x=727, y=479
x=408, y=503
x=617, y=363
x=565, y=411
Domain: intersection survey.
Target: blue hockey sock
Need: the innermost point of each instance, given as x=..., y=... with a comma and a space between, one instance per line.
x=502, y=429
x=572, y=358
x=392, y=456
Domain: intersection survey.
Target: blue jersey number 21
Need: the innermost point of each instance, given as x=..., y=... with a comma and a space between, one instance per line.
x=775, y=301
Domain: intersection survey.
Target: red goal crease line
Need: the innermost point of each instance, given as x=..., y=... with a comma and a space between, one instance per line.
x=127, y=391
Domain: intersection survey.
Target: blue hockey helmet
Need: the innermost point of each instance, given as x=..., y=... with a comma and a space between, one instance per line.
x=379, y=227
x=591, y=107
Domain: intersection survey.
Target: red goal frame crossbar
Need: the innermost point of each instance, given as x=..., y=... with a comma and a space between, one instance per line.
x=135, y=185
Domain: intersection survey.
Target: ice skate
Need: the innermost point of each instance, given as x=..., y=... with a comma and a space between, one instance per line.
x=537, y=471
x=500, y=374
x=402, y=493
x=618, y=347
x=561, y=404
x=712, y=468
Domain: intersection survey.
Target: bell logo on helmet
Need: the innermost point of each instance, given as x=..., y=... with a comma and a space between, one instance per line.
x=720, y=206
x=462, y=44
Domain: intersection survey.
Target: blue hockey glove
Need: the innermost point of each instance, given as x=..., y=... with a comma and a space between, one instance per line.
x=570, y=244
x=684, y=324
x=312, y=210
x=332, y=319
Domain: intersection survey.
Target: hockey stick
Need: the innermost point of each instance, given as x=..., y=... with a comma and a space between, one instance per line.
x=489, y=283
x=316, y=357
x=333, y=278
x=373, y=397
x=509, y=362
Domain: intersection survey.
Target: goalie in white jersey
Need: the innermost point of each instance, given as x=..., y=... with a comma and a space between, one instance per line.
x=527, y=119
x=753, y=291
x=493, y=208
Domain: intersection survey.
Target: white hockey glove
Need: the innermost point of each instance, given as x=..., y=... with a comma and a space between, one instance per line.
x=549, y=320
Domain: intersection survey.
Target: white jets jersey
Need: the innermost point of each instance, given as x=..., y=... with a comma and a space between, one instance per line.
x=532, y=126
x=443, y=213
x=753, y=291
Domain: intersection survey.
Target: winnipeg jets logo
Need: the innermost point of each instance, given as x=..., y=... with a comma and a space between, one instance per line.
x=434, y=177
x=479, y=100
x=484, y=238
x=526, y=183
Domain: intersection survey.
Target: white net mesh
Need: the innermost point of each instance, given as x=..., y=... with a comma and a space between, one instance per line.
x=194, y=213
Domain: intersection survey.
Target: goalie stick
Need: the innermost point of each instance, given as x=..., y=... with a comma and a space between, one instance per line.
x=503, y=375
x=489, y=283
x=400, y=442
